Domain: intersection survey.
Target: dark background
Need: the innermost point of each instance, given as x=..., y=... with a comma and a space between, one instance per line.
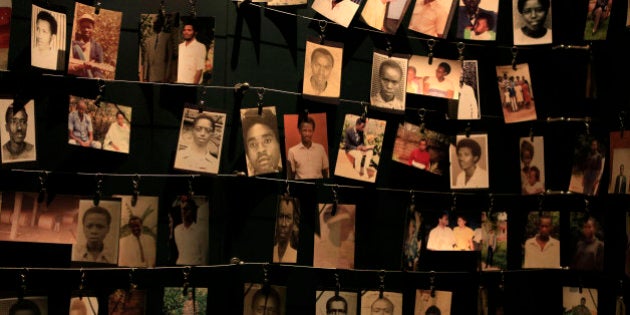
x=266, y=49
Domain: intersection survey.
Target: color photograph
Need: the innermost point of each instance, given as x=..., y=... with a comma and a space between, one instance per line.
x=192, y=301
x=126, y=302
x=138, y=231
x=491, y=238
x=532, y=151
x=597, y=19
x=306, y=142
x=5, y=32
x=427, y=151
x=477, y=19
x=589, y=159
x=360, y=148
x=619, y=161
x=384, y=16
x=84, y=305
x=438, y=79
x=576, y=300
x=189, y=235
x=541, y=248
x=587, y=241
x=159, y=38
x=195, y=50
x=516, y=92
x=339, y=11
x=432, y=17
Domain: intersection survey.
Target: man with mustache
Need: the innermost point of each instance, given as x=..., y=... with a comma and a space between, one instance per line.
x=17, y=149
x=261, y=141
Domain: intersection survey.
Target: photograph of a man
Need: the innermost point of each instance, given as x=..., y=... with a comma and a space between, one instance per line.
x=195, y=52
x=621, y=181
x=322, y=69
x=138, y=232
x=335, y=303
x=48, y=40
x=588, y=165
x=97, y=232
x=159, y=38
x=29, y=305
x=285, y=249
x=410, y=146
x=194, y=302
x=334, y=239
x=262, y=299
x=339, y=11
x=190, y=229
x=619, y=163
x=18, y=139
x=579, y=301
x=385, y=303
x=307, y=154
x=433, y=303
x=260, y=137
x=388, y=82
x=200, y=141
x=542, y=249
x=360, y=148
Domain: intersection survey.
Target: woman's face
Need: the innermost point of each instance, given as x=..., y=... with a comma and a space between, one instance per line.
x=465, y=158
x=534, y=14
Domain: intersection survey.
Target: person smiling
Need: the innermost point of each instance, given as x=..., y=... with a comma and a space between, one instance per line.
x=472, y=175
x=534, y=14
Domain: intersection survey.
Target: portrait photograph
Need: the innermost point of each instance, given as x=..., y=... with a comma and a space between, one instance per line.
x=334, y=236
x=619, y=160
x=589, y=159
x=48, y=38
x=384, y=16
x=195, y=301
x=287, y=236
x=331, y=302
x=105, y=126
x=491, y=238
x=469, y=162
x=427, y=151
x=200, y=141
x=261, y=141
x=94, y=44
x=285, y=2
x=516, y=93
x=587, y=241
x=341, y=12
x=440, y=303
x=576, y=300
x=24, y=219
x=532, y=153
x=375, y=302
x=477, y=20
x=306, y=142
x=29, y=305
x=449, y=232
x=84, y=305
x=360, y=148
x=5, y=32
x=97, y=232
x=195, y=50
x=412, y=240
x=597, y=19
x=433, y=17
x=438, y=79
x=189, y=237
x=138, y=231
x=17, y=135
x=322, y=69
x=532, y=22
x=541, y=248
x=124, y=302
x=159, y=39
x=264, y=299
x=468, y=106
x=387, y=90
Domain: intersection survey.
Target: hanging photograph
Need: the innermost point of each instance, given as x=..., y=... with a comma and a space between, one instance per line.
x=469, y=162
x=5, y=32
x=587, y=246
x=427, y=150
x=627, y=265
x=306, y=140
x=388, y=82
x=619, y=159
x=138, y=231
x=412, y=241
x=589, y=158
x=542, y=240
x=48, y=39
x=468, y=105
x=517, y=96
x=332, y=302
x=492, y=240
x=287, y=238
x=576, y=300
x=438, y=79
x=360, y=148
x=104, y=126
x=24, y=219
x=438, y=302
x=432, y=17
x=334, y=236
x=341, y=12
x=384, y=16
x=29, y=305
x=264, y=299
x=94, y=45
x=193, y=300
x=532, y=22
x=597, y=19
x=189, y=237
x=97, y=232
x=126, y=302
x=17, y=136
x=322, y=70
x=195, y=50
x=261, y=140
x=477, y=19
x=285, y=2
x=85, y=305
x=375, y=302
x=532, y=151
x=200, y=141
x=447, y=232
x=159, y=38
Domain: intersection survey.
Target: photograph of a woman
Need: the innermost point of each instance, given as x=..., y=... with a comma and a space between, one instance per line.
x=532, y=22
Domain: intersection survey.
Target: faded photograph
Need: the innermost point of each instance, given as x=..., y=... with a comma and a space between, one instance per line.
x=619, y=161
x=189, y=237
x=18, y=136
x=285, y=2
x=438, y=79
x=138, y=231
x=287, y=238
x=436, y=303
x=195, y=51
x=517, y=96
x=48, y=38
x=432, y=17
x=84, y=305
x=334, y=236
x=339, y=11
x=29, y=305
x=97, y=232
x=388, y=82
x=179, y=301
x=447, y=232
x=532, y=152
x=385, y=16
x=322, y=69
x=307, y=146
x=264, y=299
x=337, y=303
x=126, y=302
x=261, y=140
x=375, y=302
x=200, y=141
x=159, y=37
x=360, y=148
x=541, y=248
x=491, y=238
x=427, y=150
x=589, y=158
x=468, y=106
x=469, y=162
x=578, y=300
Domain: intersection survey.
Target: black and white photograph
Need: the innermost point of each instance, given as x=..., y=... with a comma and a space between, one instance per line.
x=335, y=302
x=84, y=305
x=532, y=22
x=376, y=302
x=261, y=140
x=200, y=141
x=541, y=247
x=287, y=237
x=29, y=305
x=587, y=241
x=97, y=232
x=48, y=38
x=469, y=162
x=532, y=152
x=516, y=93
x=138, y=231
x=322, y=69
x=589, y=159
x=264, y=299
x=159, y=39
x=427, y=150
x=334, y=236
x=388, y=82
x=433, y=303
x=195, y=301
x=438, y=79
x=619, y=161
x=579, y=301
x=195, y=50
x=18, y=135
x=341, y=12
x=189, y=235
x=468, y=106
x=360, y=148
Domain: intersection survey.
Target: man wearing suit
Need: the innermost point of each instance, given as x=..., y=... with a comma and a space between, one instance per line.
x=85, y=50
x=620, y=182
x=354, y=145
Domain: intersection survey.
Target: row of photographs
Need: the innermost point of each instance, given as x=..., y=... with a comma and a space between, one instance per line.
x=272, y=300
x=464, y=158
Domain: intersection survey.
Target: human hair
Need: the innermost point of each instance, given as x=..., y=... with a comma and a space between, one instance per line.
x=204, y=116
x=295, y=204
x=383, y=298
x=267, y=293
x=24, y=305
x=486, y=16
x=527, y=146
x=445, y=66
x=536, y=171
x=360, y=120
x=433, y=310
x=391, y=64
x=266, y=117
x=337, y=298
x=190, y=22
x=134, y=218
x=98, y=210
x=78, y=305
x=324, y=52
x=191, y=205
x=544, y=216
x=474, y=147
x=9, y=113
x=308, y=120
x=544, y=3
x=46, y=16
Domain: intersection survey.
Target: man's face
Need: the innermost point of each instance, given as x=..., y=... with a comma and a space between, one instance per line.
x=588, y=230
x=544, y=229
x=16, y=127
x=43, y=34
x=86, y=28
x=202, y=131
x=263, y=149
x=531, y=177
x=390, y=81
x=81, y=108
x=461, y=222
x=481, y=25
x=337, y=308
x=360, y=126
x=95, y=228
x=188, y=32
x=120, y=119
x=265, y=306
x=382, y=307
x=136, y=227
x=285, y=221
x=465, y=158
x=422, y=145
x=443, y=220
x=321, y=66
x=306, y=132
x=621, y=170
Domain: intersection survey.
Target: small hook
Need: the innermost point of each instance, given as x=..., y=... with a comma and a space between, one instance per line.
x=432, y=283
x=261, y=94
x=491, y=203
x=132, y=285
x=381, y=285
x=502, y=281
x=622, y=116
x=421, y=114
x=266, y=274
x=43, y=177
x=337, y=284
x=186, y=272
x=83, y=280
x=99, y=187
x=388, y=47
x=335, y=201
x=135, y=181
x=288, y=188
x=202, y=100
x=431, y=44
x=97, y=7
x=365, y=110
x=514, y=54
x=460, y=51
x=454, y=203
x=99, y=97
x=322, y=31
x=586, y=206
x=412, y=200
x=191, y=192
x=467, y=130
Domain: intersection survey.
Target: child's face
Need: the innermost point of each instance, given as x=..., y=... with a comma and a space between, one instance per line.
x=531, y=178
x=481, y=25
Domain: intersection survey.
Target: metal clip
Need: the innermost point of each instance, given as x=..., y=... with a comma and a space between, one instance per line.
x=261, y=94
x=99, y=188
x=135, y=181
x=514, y=54
x=322, y=31
x=431, y=44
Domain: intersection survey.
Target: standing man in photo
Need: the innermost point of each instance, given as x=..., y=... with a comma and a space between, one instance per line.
x=542, y=250
x=441, y=237
x=137, y=249
x=192, y=56
x=307, y=159
x=87, y=54
x=17, y=149
x=620, y=181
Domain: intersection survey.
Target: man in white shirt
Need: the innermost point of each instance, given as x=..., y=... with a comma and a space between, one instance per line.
x=137, y=249
x=192, y=57
x=307, y=159
x=441, y=237
x=542, y=250
x=189, y=236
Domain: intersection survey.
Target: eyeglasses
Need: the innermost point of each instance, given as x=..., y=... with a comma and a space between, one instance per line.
x=18, y=121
